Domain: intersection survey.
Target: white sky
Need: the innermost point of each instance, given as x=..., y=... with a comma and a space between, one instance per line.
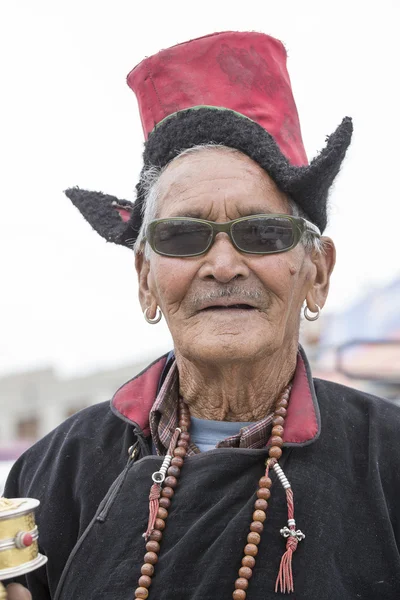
x=67, y=118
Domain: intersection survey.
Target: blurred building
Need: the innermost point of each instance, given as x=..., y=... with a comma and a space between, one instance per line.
x=360, y=346
x=32, y=403
x=375, y=316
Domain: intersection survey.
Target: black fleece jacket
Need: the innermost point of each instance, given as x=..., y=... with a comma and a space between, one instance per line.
x=94, y=508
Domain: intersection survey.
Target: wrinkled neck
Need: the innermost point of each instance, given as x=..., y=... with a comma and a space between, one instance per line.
x=239, y=391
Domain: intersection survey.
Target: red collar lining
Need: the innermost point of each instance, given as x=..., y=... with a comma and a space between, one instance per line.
x=135, y=398
x=301, y=424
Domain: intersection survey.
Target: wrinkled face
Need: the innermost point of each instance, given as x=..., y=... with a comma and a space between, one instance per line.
x=226, y=305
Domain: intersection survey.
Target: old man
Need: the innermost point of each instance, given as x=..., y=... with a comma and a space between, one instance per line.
x=223, y=470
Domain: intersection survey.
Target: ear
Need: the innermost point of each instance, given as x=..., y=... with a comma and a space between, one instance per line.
x=108, y=215
x=324, y=262
x=146, y=298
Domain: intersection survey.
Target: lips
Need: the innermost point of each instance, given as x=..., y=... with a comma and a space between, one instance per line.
x=228, y=307
x=231, y=299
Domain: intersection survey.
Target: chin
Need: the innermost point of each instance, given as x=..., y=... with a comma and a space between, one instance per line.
x=230, y=347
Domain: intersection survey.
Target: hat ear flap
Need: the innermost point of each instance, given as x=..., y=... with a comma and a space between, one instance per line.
x=313, y=182
x=108, y=215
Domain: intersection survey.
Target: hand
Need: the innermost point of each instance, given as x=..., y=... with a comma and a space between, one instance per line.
x=15, y=591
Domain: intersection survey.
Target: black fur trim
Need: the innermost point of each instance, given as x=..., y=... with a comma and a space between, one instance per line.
x=99, y=210
x=308, y=186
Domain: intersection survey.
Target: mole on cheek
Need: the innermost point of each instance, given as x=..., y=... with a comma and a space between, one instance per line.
x=292, y=270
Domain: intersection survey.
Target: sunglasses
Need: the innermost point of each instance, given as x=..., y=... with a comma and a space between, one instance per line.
x=256, y=234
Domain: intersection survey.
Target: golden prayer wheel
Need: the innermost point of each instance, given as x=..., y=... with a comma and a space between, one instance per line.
x=19, y=552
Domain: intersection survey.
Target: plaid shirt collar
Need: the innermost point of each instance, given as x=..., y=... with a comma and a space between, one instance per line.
x=163, y=420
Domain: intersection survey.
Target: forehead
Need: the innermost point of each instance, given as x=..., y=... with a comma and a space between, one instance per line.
x=212, y=181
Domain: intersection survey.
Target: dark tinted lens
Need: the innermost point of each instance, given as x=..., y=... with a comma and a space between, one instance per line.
x=180, y=238
x=269, y=234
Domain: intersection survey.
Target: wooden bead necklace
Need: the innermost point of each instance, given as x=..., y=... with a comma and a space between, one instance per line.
x=165, y=482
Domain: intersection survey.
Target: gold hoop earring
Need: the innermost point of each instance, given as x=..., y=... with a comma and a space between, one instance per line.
x=156, y=319
x=307, y=313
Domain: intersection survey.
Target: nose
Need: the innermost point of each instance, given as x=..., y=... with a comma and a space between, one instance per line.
x=223, y=262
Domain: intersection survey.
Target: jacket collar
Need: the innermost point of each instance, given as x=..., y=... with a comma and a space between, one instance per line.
x=133, y=401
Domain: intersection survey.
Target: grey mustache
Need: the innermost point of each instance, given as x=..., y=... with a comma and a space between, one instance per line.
x=238, y=293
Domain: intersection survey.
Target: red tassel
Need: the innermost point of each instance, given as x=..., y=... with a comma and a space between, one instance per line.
x=154, y=503
x=285, y=576
x=155, y=490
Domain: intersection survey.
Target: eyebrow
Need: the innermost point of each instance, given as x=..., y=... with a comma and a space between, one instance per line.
x=248, y=212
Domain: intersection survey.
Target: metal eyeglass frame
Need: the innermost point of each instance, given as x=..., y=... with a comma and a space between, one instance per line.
x=299, y=226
